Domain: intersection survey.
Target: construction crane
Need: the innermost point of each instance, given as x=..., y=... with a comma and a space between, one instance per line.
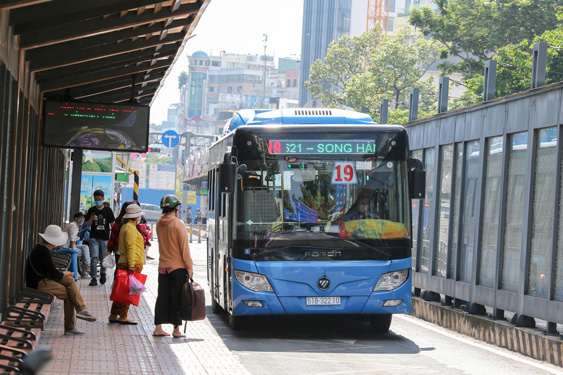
x=378, y=12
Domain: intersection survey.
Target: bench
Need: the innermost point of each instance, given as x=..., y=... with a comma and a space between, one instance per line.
x=23, y=322
x=21, y=325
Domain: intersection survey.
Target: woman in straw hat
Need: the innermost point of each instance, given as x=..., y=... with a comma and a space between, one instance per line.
x=42, y=274
x=132, y=250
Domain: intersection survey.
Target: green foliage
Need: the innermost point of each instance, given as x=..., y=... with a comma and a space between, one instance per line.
x=182, y=79
x=359, y=72
x=475, y=30
x=514, y=68
x=91, y=167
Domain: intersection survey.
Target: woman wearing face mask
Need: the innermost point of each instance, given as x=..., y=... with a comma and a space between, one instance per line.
x=132, y=249
x=174, y=264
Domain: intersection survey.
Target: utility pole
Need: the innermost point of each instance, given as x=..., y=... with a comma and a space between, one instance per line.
x=265, y=45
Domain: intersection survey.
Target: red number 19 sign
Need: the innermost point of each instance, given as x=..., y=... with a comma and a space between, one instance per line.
x=344, y=172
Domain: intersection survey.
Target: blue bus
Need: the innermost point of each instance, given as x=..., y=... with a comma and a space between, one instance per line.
x=309, y=213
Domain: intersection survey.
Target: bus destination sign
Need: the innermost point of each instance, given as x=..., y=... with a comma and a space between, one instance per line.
x=321, y=147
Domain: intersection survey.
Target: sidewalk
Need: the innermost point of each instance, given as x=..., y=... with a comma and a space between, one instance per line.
x=113, y=348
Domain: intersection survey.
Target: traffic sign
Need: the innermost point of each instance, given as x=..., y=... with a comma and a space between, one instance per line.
x=201, y=191
x=170, y=139
x=204, y=184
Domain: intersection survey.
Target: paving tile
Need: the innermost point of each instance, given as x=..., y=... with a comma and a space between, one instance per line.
x=112, y=348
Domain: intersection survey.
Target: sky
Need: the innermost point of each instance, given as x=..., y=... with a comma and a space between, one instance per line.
x=236, y=26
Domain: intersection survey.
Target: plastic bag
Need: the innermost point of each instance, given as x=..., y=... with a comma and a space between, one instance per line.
x=120, y=292
x=135, y=286
x=109, y=261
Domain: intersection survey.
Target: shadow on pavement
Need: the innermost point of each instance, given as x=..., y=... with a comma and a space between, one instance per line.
x=314, y=333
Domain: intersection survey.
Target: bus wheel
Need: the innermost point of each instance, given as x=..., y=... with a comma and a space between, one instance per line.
x=236, y=322
x=380, y=323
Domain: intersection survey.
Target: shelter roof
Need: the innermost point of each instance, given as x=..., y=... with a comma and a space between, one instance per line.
x=96, y=50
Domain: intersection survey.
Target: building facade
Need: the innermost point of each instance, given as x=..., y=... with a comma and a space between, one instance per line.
x=323, y=22
x=217, y=86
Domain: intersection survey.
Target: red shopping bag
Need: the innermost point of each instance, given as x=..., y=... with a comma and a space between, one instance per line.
x=120, y=291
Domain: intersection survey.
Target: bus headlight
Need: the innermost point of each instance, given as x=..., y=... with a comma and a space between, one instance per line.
x=253, y=281
x=391, y=280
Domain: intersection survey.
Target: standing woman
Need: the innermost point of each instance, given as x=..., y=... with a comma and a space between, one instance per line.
x=132, y=250
x=174, y=264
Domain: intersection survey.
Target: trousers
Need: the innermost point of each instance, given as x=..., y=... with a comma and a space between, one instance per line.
x=67, y=290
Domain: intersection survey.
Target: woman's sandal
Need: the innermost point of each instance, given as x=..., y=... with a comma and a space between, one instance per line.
x=161, y=334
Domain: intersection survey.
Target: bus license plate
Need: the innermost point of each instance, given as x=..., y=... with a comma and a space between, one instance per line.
x=323, y=301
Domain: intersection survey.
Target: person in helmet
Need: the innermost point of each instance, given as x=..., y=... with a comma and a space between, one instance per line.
x=174, y=264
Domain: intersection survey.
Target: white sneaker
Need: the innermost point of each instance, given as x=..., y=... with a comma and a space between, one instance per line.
x=73, y=331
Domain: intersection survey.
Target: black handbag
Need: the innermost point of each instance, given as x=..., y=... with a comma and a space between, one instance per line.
x=193, y=301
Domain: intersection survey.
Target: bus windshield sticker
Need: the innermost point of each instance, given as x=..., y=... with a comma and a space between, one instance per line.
x=344, y=173
x=290, y=159
x=364, y=165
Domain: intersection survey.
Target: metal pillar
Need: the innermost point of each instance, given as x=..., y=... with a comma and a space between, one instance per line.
x=539, y=64
x=490, y=80
x=413, y=104
x=443, y=89
x=76, y=180
x=384, y=111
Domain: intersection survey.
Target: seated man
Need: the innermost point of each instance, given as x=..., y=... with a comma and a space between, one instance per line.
x=42, y=274
x=72, y=230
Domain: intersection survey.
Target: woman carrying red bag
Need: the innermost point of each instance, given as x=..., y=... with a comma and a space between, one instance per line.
x=132, y=249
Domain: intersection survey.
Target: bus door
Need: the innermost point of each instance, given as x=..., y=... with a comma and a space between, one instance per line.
x=221, y=267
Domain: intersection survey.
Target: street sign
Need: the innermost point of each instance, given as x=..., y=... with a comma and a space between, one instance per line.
x=170, y=139
x=204, y=184
x=121, y=177
x=201, y=191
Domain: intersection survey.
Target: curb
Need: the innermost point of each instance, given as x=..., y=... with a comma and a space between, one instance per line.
x=528, y=342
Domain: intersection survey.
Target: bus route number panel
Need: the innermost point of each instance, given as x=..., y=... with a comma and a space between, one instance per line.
x=319, y=147
x=323, y=301
x=344, y=173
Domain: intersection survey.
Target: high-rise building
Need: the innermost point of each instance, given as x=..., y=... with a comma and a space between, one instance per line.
x=323, y=22
x=398, y=14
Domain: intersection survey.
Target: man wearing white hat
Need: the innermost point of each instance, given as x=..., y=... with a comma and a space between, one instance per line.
x=42, y=274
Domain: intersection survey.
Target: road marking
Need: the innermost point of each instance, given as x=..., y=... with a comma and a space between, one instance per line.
x=401, y=367
x=480, y=345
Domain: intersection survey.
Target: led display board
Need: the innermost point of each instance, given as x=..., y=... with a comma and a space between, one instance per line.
x=96, y=126
x=321, y=147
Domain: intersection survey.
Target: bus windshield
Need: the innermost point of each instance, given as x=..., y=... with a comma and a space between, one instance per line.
x=343, y=208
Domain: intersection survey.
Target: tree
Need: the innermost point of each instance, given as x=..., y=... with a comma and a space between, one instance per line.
x=182, y=79
x=474, y=30
x=359, y=72
x=514, y=70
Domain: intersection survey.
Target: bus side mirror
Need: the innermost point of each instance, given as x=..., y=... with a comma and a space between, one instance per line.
x=227, y=175
x=417, y=179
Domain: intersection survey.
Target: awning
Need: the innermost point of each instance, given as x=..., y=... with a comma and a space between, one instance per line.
x=94, y=50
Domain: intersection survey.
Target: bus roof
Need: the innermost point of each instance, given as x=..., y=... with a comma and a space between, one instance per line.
x=241, y=118
x=303, y=116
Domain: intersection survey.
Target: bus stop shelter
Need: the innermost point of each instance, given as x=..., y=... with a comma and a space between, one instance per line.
x=111, y=51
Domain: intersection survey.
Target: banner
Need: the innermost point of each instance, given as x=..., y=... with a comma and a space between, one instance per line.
x=192, y=197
